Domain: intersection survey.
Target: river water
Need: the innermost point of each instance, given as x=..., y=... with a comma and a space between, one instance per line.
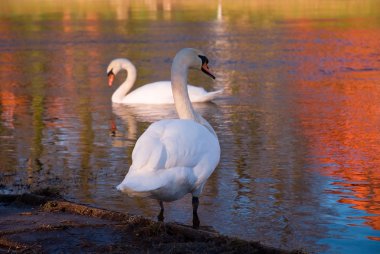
x=298, y=123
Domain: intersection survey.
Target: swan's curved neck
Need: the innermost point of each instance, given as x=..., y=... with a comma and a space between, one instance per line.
x=125, y=87
x=182, y=101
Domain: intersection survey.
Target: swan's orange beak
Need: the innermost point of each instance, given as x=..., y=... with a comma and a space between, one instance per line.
x=206, y=70
x=111, y=78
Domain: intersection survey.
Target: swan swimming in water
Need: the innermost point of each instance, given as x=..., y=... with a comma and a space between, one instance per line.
x=174, y=157
x=154, y=93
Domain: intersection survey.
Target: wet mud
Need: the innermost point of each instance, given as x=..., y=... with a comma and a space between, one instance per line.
x=43, y=222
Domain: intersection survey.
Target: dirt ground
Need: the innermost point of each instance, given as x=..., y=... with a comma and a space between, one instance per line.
x=45, y=223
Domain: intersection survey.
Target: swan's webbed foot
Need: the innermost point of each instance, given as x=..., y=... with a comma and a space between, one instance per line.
x=160, y=216
x=195, y=203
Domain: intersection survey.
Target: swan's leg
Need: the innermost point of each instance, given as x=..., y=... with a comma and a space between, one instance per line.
x=195, y=203
x=113, y=128
x=160, y=216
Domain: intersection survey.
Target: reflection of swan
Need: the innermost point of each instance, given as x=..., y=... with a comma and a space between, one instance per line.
x=153, y=93
x=151, y=113
x=175, y=157
x=126, y=131
x=127, y=137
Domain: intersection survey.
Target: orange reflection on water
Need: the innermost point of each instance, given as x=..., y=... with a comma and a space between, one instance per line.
x=341, y=120
x=10, y=103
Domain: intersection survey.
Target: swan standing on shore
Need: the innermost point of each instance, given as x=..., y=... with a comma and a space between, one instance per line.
x=176, y=156
x=154, y=93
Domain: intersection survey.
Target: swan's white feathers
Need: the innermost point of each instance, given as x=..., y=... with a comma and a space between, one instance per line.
x=161, y=93
x=171, y=159
x=153, y=93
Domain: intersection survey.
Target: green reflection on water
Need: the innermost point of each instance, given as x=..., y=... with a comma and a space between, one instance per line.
x=37, y=92
x=237, y=10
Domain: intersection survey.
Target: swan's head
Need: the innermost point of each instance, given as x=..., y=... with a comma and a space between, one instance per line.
x=194, y=59
x=117, y=65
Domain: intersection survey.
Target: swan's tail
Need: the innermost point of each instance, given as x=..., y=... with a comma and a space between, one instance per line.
x=168, y=184
x=138, y=185
x=143, y=184
x=211, y=95
x=131, y=192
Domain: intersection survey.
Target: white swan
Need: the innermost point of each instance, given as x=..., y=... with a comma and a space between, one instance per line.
x=176, y=156
x=154, y=93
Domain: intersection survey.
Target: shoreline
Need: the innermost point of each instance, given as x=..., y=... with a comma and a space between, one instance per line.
x=46, y=223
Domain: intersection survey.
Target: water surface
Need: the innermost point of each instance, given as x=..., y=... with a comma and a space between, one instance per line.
x=298, y=124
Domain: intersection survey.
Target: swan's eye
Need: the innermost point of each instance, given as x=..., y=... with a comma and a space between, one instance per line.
x=204, y=59
x=110, y=73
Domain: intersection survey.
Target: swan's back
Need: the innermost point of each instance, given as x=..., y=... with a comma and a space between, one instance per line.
x=161, y=93
x=184, y=141
x=154, y=93
x=171, y=159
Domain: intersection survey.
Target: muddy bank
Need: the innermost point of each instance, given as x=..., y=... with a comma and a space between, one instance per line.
x=45, y=223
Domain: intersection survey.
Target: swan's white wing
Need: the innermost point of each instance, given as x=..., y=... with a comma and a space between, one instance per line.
x=154, y=93
x=161, y=93
x=171, y=158
x=198, y=94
